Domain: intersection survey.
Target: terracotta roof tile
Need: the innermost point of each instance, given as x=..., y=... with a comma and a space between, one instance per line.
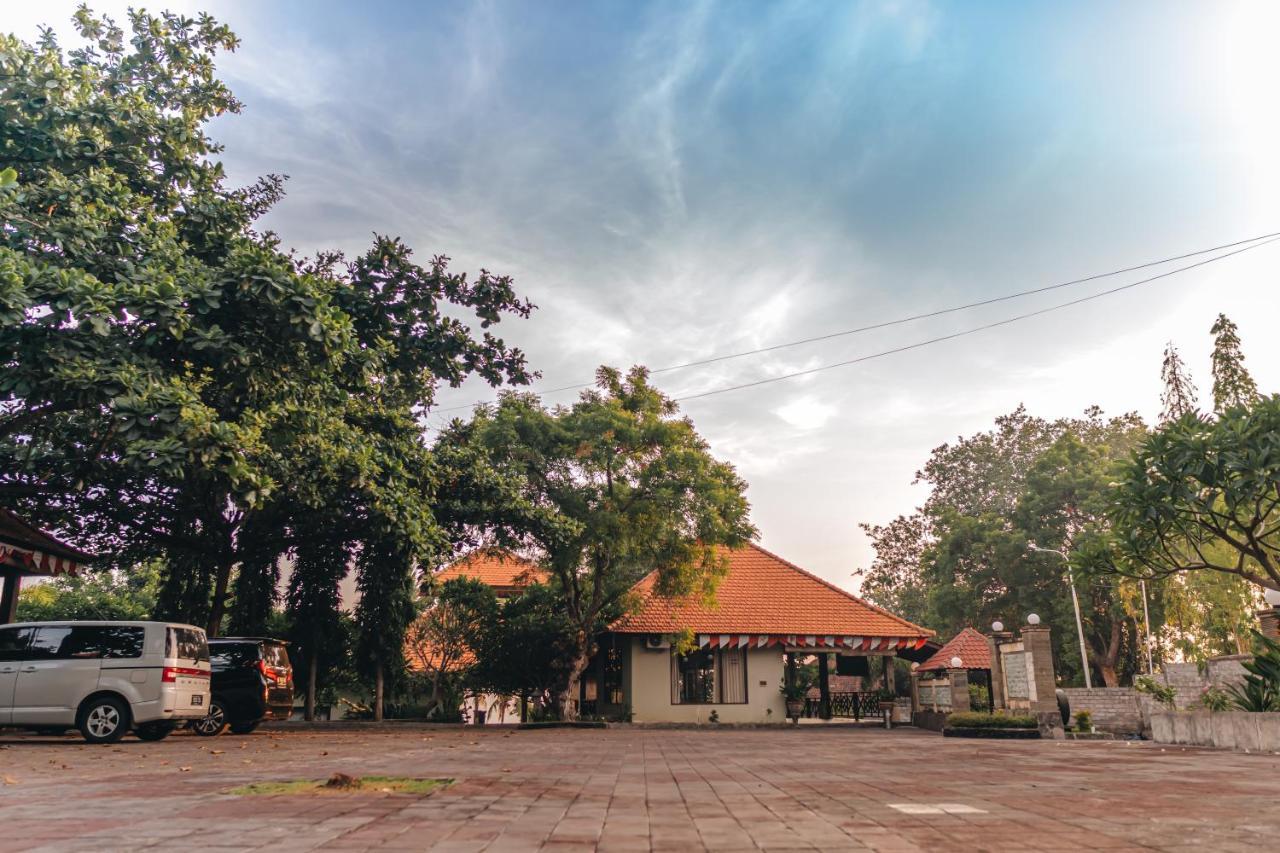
x=502, y=570
x=764, y=594
x=969, y=645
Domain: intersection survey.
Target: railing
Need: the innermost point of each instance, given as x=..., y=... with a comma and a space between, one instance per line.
x=856, y=705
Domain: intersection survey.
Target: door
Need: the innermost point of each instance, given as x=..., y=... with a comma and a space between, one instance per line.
x=54, y=678
x=13, y=652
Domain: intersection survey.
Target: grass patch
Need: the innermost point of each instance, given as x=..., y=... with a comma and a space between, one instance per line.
x=366, y=785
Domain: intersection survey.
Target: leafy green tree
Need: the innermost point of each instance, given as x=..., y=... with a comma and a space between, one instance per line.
x=174, y=386
x=605, y=491
x=1232, y=383
x=1201, y=494
x=95, y=595
x=442, y=640
x=383, y=614
x=523, y=647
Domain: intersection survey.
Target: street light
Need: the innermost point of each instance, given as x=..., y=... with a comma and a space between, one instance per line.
x=997, y=627
x=1075, y=601
x=956, y=663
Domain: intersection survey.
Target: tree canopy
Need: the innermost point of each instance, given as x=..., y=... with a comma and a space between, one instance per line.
x=602, y=492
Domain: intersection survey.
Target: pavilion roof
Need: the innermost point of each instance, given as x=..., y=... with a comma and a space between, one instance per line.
x=35, y=552
x=766, y=600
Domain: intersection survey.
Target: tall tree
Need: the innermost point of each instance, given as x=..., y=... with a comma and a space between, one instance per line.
x=174, y=386
x=1202, y=495
x=384, y=612
x=1232, y=384
x=607, y=490
x=1178, y=397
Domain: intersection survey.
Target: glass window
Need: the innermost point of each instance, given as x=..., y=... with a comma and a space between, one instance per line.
x=275, y=654
x=613, y=673
x=709, y=676
x=224, y=656
x=186, y=644
x=102, y=641
x=695, y=678
x=13, y=643
x=47, y=643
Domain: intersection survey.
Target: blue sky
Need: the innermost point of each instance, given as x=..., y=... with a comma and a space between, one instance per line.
x=672, y=181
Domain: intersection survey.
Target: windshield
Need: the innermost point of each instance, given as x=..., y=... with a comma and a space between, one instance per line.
x=186, y=644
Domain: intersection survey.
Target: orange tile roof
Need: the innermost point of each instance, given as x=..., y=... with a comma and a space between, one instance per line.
x=764, y=594
x=969, y=645
x=502, y=570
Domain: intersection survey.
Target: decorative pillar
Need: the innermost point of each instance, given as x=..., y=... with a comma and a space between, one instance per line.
x=1270, y=622
x=890, y=674
x=959, y=689
x=1041, y=681
x=915, y=692
x=824, y=688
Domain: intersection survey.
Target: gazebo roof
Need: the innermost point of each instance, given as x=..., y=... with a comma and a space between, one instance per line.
x=33, y=551
x=969, y=645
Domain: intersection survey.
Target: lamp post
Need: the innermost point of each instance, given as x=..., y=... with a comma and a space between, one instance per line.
x=1075, y=601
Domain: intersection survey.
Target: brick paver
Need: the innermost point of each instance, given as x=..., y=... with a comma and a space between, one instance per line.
x=637, y=789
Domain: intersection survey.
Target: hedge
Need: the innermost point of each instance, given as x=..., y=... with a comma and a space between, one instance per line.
x=977, y=720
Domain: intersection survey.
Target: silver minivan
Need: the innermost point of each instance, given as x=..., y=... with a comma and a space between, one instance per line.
x=103, y=678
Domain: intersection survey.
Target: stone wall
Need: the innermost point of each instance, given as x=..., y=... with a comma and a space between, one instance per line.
x=1114, y=709
x=1222, y=729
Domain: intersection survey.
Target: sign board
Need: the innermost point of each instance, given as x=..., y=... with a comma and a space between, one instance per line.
x=1016, y=684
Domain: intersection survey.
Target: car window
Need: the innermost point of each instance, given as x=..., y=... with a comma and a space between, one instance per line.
x=47, y=643
x=224, y=656
x=275, y=654
x=186, y=644
x=103, y=641
x=13, y=643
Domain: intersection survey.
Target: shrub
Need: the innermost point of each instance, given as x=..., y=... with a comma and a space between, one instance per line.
x=977, y=720
x=979, y=696
x=1084, y=721
x=1158, y=691
x=1261, y=688
x=1214, y=698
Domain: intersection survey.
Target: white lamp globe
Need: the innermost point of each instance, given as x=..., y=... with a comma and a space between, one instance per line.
x=914, y=666
x=956, y=663
x=1272, y=596
x=997, y=626
x=1033, y=619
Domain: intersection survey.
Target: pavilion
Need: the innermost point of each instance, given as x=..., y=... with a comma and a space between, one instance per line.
x=28, y=551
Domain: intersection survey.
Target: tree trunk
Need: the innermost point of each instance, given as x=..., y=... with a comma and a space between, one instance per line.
x=524, y=705
x=1109, y=676
x=219, y=605
x=566, y=699
x=309, y=713
x=377, y=692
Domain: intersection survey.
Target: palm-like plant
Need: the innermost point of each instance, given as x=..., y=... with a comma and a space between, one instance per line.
x=1261, y=688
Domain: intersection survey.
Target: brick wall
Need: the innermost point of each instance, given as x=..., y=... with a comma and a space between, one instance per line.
x=1114, y=709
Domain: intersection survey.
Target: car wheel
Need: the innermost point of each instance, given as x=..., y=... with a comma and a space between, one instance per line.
x=212, y=723
x=154, y=731
x=243, y=728
x=103, y=720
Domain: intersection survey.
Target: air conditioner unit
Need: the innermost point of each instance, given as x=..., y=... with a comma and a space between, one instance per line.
x=655, y=642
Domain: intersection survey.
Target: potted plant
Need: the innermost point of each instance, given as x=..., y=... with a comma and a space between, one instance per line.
x=794, y=695
x=887, y=698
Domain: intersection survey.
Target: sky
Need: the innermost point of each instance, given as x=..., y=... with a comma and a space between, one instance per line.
x=673, y=181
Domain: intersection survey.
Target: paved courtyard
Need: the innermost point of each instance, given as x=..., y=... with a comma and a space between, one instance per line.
x=636, y=789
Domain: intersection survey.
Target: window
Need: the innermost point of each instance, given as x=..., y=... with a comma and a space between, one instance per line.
x=13, y=643
x=709, y=676
x=47, y=643
x=225, y=656
x=186, y=644
x=79, y=642
x=612, y=686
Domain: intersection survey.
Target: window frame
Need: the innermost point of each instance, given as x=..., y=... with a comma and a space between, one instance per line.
x=717, y=670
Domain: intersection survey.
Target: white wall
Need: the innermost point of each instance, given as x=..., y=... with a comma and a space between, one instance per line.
x=649, y=690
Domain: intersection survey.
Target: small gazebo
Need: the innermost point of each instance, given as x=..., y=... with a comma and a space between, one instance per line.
x=27, y=551
x=973, y=650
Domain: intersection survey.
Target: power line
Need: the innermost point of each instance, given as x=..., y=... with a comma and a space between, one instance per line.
x=972, y=331
x=910, y=319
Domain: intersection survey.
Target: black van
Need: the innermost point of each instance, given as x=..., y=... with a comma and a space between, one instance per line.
x=252, y=682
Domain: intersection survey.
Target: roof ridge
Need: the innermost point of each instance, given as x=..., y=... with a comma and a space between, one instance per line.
x=841, y=591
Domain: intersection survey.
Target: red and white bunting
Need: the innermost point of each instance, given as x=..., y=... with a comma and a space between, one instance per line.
x=38, y=560
x=809, y=641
